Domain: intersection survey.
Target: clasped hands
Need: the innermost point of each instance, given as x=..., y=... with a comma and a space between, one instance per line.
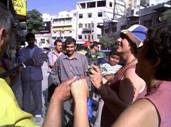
x=78, y=89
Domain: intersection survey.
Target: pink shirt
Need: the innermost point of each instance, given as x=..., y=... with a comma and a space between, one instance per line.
x=160, y=96
x=52, y=57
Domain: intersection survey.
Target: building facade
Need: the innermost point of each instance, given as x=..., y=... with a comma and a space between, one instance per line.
x=63, y=25
x=90, y=14
x=44, y=37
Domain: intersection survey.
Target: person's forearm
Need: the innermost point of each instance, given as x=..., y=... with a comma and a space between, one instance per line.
x=53, y=118
x=81, y=113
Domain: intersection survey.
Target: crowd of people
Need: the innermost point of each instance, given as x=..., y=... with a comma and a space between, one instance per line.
x=134, y=93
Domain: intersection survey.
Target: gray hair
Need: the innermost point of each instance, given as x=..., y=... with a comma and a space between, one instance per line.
x=5, y=19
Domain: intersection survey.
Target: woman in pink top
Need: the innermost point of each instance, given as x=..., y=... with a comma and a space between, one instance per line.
x=154, y=66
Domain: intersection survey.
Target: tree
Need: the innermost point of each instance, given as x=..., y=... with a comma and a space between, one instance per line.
x=108, y=42
x=166, y=16
x=34, y=21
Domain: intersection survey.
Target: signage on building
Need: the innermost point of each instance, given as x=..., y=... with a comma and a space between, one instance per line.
x=20, y=7
x=46, y=28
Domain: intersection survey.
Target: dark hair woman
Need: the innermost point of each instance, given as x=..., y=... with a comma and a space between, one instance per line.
x=154, y=66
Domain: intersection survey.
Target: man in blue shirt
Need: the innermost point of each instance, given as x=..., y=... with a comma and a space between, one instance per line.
x=68, y=65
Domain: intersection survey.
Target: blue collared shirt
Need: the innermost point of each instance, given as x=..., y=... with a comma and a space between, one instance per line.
x=65, y=67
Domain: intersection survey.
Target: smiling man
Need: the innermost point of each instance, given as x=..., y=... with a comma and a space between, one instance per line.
x=68, y=65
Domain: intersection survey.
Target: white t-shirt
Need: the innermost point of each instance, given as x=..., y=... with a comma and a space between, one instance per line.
x=107, y=69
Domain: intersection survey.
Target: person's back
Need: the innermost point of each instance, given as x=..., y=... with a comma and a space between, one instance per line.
x=31, y=76
x=160, y=97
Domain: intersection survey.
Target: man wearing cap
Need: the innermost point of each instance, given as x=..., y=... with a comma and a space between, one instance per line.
x=126, y=85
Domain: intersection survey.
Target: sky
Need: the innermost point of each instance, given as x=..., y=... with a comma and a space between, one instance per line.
x=54, y=6
x=51, y=6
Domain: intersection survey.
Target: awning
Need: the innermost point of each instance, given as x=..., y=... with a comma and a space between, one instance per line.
x=62, y=29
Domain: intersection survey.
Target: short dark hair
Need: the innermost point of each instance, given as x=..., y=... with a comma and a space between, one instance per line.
x=70, y=40
x=56, y=41
x=30, y=35
x=159, y=46
x=112, y=52
x=94, y=44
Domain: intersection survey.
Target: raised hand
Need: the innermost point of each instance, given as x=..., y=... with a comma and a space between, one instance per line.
x=62, y=92
x=96, y=76
x=79, y=89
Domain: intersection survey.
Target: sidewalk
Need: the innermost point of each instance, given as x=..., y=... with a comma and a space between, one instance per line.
x=18, y=91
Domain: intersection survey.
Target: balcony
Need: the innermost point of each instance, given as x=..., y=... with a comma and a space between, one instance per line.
x=87, y=30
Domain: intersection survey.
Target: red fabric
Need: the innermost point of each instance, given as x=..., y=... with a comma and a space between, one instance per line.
x=87, y=43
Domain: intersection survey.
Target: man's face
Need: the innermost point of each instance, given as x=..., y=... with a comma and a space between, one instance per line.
x=70, y=49
x=31, y=41
x=96, y=48
x=58, y=46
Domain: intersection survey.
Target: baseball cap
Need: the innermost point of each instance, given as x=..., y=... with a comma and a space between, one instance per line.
x=136, y=33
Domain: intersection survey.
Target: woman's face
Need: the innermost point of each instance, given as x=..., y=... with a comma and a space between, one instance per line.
x=123, y=45
x=144, y=67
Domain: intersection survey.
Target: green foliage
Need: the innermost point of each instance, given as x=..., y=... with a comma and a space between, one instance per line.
x=107, y=42
x=34, y=21
x=166, y=16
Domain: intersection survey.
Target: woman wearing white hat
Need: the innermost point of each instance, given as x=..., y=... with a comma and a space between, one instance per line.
x=126, y=85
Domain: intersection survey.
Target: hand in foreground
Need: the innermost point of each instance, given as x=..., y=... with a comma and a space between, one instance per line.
x=62, y=92
x=79, y=89
x=96, y=76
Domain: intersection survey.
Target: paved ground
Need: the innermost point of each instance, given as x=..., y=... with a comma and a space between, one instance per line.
x=18, y=89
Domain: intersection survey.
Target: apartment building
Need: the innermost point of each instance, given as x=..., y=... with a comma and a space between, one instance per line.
x=63, y=25
x=44, y=37
x=90, y=14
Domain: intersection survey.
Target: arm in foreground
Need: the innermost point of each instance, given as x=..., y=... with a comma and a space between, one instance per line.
x=79, y=90
x=140, y=114
x=61, y=94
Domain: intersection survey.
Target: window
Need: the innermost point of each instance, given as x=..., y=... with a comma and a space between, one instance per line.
x=79, y=36
x=85, y=25
x=80, y=25
x=110, y=4
x=98, y=36
x=99, y=14
x=89, y=15
x=54, y=38
x=88, y=37
x=82, y=5
x=80, y=16
x=92, y=25
x=85, y=36
x=101, y=3
x=91, y=5
x=42, y=40
x=89, y=25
